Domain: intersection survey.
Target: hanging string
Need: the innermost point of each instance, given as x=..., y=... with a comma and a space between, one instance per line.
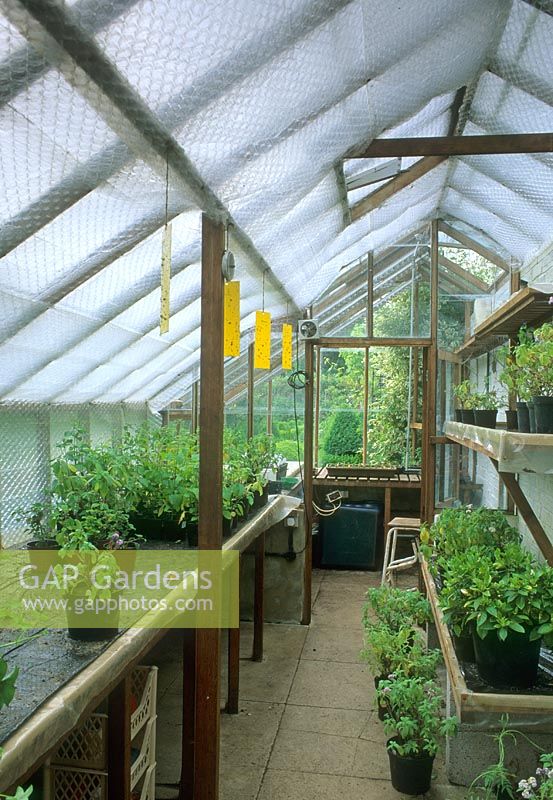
x=263, y=291
x=167, y=188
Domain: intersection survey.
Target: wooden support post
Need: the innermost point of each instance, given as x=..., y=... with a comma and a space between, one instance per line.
x=195, y=406
x=259, y=598
x=370, y=294
x=250, y=391
x=365, y=403
x=210, y=528
x=526, y=512
x=442, y=384
x=270, y=406
x=387, y=508
x=431, y=382
x=308, y=481
x=316, y=422
x=233, y=670
x=186, y=789
x=119, y=737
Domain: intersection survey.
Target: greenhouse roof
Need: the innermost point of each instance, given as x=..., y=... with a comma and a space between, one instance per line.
x=257, y=109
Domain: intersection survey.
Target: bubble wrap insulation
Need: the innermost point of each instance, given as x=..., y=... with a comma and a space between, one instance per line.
x=265, y=100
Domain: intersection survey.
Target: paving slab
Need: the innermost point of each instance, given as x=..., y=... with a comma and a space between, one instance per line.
x=299, y=751
x=337, y=721
x=288, y=785
x=328, y=643
x=247, y=737
x=333, y=685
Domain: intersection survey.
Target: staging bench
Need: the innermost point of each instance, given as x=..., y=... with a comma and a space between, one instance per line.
x=401, y=482
x=511, y=453
x=62, y=682
x=480, y=712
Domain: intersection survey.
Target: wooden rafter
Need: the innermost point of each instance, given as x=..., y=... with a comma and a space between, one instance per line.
x=464, y=274
x=401, y=181
x=472, y=244
x=484, y=144
x=409, y=176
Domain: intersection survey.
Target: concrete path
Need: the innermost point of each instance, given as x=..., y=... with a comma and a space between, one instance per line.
x=307, y=727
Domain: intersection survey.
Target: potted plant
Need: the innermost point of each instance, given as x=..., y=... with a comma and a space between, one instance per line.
x=37, y=526
x=416, y=725
x=509, y=601
x=81, y=591
x=259, y=456
x=485, y=408
x=397, y=608
x=388, y=652
x=510, y=378
x=536, y=358
x=463, y=393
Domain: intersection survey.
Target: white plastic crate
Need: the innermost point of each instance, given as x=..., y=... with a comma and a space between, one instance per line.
x=148, y=790
x=86, y=746
x=147, y=755
x=144, y=690
x=66, y=783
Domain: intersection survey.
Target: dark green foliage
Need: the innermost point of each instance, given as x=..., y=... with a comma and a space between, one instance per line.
x=344, y=440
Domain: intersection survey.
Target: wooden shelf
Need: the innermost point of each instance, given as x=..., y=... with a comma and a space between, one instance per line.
x=481, y=707
x=514, y=452
x=528, y=306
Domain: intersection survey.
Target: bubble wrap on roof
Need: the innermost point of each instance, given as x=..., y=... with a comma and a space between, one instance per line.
x=265, y=100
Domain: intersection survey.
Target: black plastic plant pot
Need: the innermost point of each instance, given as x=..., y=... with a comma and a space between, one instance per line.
x=192, y=534
x=523, y=417
x=227, y=527
x=409, y=775
x=467, y=416
x=90, y=633
x=512, y=663
x=543, y=412
x=458, y=415
x=40, y=554
x=485, y=418
x=464, y=647
x=532, y=415
x=260, y=500
x=512, y=420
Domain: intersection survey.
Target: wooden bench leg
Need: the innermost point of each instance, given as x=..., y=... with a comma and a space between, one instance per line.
x=233, y=670
x=186, y=788
x=258, y=609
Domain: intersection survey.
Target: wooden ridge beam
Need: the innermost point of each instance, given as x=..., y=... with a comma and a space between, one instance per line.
x=485, y=144
x=472, y=244
x=395, y=185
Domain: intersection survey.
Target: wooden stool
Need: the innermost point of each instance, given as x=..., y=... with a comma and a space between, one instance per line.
x=400, y=528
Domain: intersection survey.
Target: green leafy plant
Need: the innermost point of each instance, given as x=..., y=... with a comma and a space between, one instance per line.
x=343, y=442
x=397, y=608
x=388, y=651
x=458, y=529
x=414, y=715
x=533, y=362
x=463, y=393
x=495, y=780
x=486, y=401
x=509, y=591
